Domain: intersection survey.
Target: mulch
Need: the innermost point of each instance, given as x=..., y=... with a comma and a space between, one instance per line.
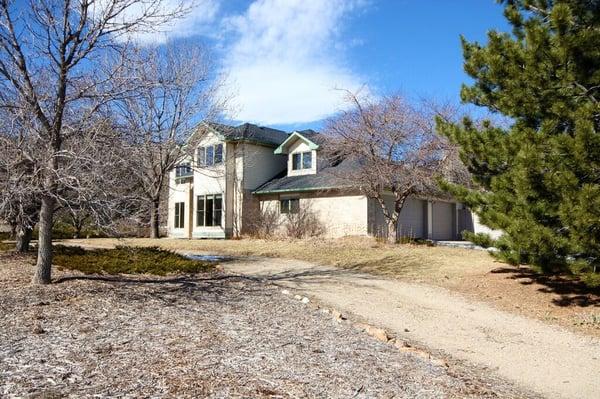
x=207, y=335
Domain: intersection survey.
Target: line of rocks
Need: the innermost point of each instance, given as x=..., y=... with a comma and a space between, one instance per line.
x=375, y=332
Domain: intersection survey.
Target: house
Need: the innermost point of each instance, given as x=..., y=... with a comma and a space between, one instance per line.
x=238, y=173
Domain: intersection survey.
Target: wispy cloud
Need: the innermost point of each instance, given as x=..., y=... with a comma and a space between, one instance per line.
x=285, y=61
x=199, y=17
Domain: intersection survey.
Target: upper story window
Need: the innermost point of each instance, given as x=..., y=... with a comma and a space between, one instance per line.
x=182, y=170
x=302, y=160
x=210, y=155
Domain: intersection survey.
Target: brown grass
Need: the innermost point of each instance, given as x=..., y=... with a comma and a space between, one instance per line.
x=475, y=274
x=358, y=253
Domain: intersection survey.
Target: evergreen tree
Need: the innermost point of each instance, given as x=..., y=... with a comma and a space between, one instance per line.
x=539, y=179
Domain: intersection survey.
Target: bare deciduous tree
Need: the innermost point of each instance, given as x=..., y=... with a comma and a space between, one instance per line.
x=395, y=149
x=174, y=88
x=50, y=57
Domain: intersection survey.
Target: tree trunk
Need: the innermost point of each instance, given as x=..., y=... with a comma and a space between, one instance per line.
x=43, y=272
x=13, y=230
x=23, y=238
x=392, y=233
x=155, y=219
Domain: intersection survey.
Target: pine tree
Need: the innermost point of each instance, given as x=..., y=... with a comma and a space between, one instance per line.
x=539, y=179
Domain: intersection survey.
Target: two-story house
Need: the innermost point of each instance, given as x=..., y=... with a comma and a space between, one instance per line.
x=239, y=170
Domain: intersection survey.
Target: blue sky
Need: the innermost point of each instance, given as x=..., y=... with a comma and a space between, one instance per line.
x=286, y=60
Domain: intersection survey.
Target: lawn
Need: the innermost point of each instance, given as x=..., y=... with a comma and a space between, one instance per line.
x=358, y=253
x=475, y=274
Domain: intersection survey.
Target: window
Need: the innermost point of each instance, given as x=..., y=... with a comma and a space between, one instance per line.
x=296, y=161
x=291, y=205
x=307, y=160
x=179, y=215
x=302, y=160
x=211, y=155
x=183, y=170
x=201, y=156
x=218, y=154
x=209, y=210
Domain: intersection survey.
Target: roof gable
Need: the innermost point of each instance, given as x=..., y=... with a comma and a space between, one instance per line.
x=292, y=138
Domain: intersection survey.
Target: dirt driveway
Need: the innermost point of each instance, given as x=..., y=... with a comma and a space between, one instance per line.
x=546, y=359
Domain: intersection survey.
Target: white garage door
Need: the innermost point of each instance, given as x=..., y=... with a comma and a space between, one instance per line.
x=442, y=221
x=412, y=219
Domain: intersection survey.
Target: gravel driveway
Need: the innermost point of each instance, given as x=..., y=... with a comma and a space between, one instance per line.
x=212, y=335
x=547, y=359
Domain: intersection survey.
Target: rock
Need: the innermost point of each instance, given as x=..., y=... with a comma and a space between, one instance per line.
x=285, y=292
x=401, y=344
x=305, y=300
x=37, y=329
x=375, y=332
x=338, y=315
x=406, y=330
x=325, y=310
x=298, y=297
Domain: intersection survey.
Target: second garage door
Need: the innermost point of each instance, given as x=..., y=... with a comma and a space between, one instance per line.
x=442, y=218
x=412, y=219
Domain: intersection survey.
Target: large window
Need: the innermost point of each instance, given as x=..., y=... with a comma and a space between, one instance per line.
x=291, y=205
x=302, y=160
x=183, y=169
x=179, y=215
x=209, y=210
x=210, y=155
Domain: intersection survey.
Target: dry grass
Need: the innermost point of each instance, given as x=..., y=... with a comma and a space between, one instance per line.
x=358, y=253
x=472, y=273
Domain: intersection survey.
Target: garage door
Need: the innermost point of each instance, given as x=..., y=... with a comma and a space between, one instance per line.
x=412, y=219
x=442, y=217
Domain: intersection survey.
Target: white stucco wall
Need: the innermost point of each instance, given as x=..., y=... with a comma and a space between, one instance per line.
x=261, y=165
x=481, y=228
x=340, y=215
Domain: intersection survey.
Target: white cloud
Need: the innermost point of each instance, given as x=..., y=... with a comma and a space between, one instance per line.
x=198, y=19
x=284, y=62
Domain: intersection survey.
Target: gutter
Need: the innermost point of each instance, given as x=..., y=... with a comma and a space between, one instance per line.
x=300, y=190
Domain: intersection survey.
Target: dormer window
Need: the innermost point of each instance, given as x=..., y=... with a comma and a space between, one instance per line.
x=302, y=160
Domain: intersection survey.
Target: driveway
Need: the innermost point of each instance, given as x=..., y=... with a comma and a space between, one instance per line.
x=546, y=359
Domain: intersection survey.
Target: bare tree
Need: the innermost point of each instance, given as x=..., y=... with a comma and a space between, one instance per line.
x=394, y=148
x=50, y=57
x=174, y=88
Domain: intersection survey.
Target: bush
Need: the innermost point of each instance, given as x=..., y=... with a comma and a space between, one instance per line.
x=304, y=224
x=5, y=246
x=127, y=260
x=262, y=223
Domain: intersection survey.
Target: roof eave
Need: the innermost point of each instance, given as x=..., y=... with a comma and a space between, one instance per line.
x=300, y=190
x=294, y=136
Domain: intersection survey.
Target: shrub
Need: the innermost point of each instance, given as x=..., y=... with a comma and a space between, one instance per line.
x=5, y=246
x=482, y=239
x=127, y=260
x=304, y=224
x=262, y=223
